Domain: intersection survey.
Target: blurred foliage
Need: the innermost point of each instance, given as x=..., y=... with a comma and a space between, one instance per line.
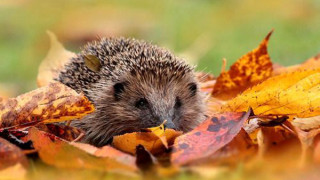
x=203, y=31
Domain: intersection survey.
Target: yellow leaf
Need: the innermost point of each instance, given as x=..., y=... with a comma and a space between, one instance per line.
x=294, y=94
x=160, y=132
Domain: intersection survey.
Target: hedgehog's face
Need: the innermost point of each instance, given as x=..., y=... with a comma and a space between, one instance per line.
x=148, y=102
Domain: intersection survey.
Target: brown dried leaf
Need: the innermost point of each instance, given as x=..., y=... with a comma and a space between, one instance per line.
x=53, y=103
x=56, y=58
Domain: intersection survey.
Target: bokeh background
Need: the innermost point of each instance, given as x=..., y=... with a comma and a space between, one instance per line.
x=202, y=31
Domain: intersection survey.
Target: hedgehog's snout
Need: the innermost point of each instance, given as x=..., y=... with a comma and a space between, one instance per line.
x=169, y=124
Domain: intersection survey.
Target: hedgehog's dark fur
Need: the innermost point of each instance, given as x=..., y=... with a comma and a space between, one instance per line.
x=139, y=85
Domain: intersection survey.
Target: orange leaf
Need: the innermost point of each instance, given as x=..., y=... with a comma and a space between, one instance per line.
x=53, y=103
x=208, y=137
x=57, y=152
x=250, y=69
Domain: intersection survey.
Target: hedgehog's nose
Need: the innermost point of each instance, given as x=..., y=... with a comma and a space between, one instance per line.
x=169, y=124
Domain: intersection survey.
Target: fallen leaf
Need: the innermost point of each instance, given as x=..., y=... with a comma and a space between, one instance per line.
x=10, y=155
x=293, y=94
x=128, y=142
x=53, y=103
x=247, y=71
x=144, y=159
x=106, y=151
x=208, y=137
x=16, y=172
x=307, y=124
x=240, y=149
x=54, y=62
x=57, y=152
x=311, y=63
x=62, y=131
x=160, y=132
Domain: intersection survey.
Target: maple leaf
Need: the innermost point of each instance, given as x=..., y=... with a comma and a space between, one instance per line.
x=54, y=62
x=53, y=103
x=250, y=69
x=208, y=137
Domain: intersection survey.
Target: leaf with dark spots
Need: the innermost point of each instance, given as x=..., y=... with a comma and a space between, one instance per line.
x=241, y=148
x=208, y=137
x=247, y=71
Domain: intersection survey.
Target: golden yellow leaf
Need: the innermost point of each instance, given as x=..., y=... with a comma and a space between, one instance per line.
x=311, y=63
x=250, y=69
x=149, y=140
x=295, y=94
x=53, y=103
x=160, y=132
x=56, y=58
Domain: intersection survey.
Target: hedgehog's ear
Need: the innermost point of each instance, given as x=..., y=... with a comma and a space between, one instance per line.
x=118, y=89
x=193, y=88
x=92, y=62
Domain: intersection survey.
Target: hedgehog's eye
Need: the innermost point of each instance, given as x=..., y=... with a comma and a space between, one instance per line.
x=141, y=103
x=193, y=88
x=178, y=103
x=118, y=89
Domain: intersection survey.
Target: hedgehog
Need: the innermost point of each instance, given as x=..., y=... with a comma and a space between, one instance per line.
x=133, y=85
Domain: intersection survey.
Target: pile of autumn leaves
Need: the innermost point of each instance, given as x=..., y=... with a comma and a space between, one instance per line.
x=256, y=111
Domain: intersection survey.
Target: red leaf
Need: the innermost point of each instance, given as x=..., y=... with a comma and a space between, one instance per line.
x=208, y=137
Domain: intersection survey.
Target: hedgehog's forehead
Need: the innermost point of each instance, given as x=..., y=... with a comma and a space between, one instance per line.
x=160, y=72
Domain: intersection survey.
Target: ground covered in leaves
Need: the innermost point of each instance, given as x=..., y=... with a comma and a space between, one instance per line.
x=263, y=121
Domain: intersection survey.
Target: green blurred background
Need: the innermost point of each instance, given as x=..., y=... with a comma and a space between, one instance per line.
x=202, y=31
